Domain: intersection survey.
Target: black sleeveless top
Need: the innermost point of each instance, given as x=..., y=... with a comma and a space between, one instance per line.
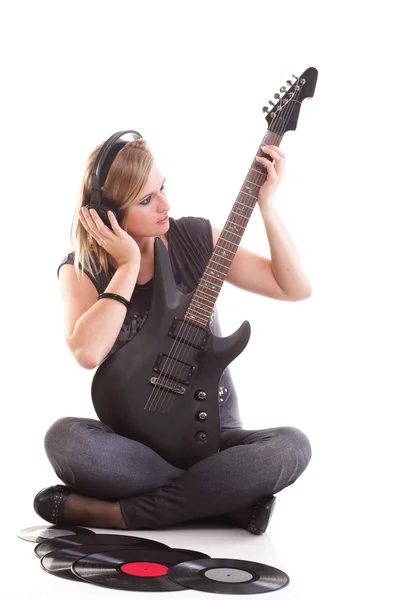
x=190, y=246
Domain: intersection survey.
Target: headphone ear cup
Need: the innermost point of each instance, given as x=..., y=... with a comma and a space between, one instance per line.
x=102, y=211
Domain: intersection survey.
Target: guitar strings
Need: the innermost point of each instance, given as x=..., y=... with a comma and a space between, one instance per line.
x=157, y=395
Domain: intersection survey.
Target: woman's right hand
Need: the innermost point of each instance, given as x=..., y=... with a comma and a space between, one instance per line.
x=117, y=242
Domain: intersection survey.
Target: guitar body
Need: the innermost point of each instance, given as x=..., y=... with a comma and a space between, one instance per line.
x=161, y=388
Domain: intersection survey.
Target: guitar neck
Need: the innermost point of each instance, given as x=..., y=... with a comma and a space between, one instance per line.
x=205, y=297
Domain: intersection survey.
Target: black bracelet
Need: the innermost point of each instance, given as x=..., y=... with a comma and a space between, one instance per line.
x=114, y=297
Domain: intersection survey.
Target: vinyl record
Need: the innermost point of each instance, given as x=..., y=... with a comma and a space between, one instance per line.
x=59, y=561
x=40, y=534
x=101, y=538
x=140, y=569
x=228, y=576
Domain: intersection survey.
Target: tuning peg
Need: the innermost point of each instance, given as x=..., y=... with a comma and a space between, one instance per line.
x=270, y=102
x=295, y=76
x=277, y=96
x=289, y=82
x=265, y=109
x=282, y=89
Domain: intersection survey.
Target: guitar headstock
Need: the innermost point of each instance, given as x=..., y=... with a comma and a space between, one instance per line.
x=283, y=115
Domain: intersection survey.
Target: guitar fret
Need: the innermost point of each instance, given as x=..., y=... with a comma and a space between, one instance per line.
x=231, y=232
x=213, y=276
x=257, y=171
x=240, y=215
x=206, y=310
x=200, y=291
x=246, y=205
x=242, y=226
x=225, y=240
x=189, y=317
x=253, y=182
x=225, y=250
x=198, y=295
x=215, y=290
x=218, y=263
x=200, y=306
x=251, y=195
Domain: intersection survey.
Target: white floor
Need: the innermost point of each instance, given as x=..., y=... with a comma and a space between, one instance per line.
x=329, y=547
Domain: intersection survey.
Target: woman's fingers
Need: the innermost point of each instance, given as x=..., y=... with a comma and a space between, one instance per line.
x=86, y=221
x=94, y=223
x=98, y=223
x=273, y=150
x=113, y=221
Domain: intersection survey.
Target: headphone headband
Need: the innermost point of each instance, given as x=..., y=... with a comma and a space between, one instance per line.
x=107, y=154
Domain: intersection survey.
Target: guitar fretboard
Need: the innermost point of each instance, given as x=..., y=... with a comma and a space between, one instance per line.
x=202, y=304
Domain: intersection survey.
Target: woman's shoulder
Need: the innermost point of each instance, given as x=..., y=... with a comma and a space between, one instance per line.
x=191, y=242
x=100, y=280
x=67, y=260
x=192, y=228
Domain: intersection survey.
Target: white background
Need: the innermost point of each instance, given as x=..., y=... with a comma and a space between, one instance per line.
x=192, y=78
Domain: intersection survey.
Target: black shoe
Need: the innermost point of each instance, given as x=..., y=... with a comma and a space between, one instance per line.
x=261, y=515
x=255, y=518
x=49, y=503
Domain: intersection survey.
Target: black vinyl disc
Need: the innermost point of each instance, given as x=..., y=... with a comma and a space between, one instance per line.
x=59, y=562
x=228, y=576
x=100, y=538
x=140, y=569
x=40, y=533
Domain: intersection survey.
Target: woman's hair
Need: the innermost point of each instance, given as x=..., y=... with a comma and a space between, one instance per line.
x=124, y=183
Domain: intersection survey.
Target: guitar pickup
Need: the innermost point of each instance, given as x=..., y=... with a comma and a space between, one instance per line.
x=189, y=334
x=174, y=369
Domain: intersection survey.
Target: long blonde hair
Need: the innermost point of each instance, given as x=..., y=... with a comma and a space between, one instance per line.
x=125, y=181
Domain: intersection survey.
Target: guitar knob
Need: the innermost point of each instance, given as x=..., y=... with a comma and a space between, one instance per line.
x=201, y=437
x=201, y=416
x=200, y=395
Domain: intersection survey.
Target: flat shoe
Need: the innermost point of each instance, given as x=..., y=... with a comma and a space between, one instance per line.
x=49, y=503
x=261, y=515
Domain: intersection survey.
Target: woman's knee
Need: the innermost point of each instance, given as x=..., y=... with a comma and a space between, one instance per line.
x=65, y=433
x=296, y=443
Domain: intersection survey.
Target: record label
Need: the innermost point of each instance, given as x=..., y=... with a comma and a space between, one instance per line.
x=144, y=569
x=228, y=575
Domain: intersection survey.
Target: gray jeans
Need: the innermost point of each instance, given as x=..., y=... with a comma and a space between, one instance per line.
x=251, y=464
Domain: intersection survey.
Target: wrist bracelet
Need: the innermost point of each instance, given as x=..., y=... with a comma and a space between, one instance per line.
x=114, y=297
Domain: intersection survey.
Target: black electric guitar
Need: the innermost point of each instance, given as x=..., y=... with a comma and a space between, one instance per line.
x=161, y=388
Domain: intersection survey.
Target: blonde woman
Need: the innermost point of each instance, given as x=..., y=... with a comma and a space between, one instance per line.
x=115, y=482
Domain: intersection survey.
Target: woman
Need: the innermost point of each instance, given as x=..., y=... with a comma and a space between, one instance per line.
x=116, y=482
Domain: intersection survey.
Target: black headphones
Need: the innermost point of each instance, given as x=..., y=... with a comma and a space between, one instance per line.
x=104, y=160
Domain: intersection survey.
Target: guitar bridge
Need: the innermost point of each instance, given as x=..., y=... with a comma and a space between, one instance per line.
x=172, y=387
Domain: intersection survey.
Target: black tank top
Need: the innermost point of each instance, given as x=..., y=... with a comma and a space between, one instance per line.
x=190, y=246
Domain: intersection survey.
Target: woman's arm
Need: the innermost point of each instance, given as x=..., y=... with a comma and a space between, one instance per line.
x=91, y=326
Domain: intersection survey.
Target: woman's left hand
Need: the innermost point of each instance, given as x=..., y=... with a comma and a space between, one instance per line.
x=275, y=174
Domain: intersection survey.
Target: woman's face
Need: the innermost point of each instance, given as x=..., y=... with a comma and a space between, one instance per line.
x=142, y=218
